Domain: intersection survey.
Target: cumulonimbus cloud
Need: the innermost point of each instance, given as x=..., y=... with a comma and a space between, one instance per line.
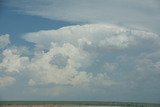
x=92, y=56
x=91, y=35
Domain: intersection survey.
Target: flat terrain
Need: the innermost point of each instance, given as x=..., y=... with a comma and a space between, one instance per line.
x=54, y=106
x=73, y=104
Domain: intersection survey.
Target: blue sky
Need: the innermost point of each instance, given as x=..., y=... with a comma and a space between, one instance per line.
x=104, y=50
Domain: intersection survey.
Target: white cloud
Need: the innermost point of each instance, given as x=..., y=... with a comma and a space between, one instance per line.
x=4, y=40
x=6, y=81
x=89, y=61
x=44, y=72
x=63, y=56
x=91, y=36
x=111, y=11
x=78, y=47
x=12, y=61
x=96, y=57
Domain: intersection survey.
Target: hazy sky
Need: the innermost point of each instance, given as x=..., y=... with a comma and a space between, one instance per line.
x=107, y=50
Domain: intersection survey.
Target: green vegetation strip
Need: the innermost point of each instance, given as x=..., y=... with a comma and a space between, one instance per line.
x=93, y=103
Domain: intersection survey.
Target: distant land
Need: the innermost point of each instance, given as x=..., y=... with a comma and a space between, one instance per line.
x=74, y=104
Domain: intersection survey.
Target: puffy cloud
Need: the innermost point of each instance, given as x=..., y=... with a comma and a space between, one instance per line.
x=71, y=50
x=12, y=61
x=91, y=36
x=4, y=40
x=46, y=67
x=62, y=64
x=6, y=81
x=46, y=72
x=96, y=58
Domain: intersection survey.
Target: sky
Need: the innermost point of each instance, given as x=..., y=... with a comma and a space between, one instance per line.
x=80, y=50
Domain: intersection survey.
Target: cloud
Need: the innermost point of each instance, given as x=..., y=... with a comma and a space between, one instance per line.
x=46, y=67
x=4, y=40
x=6, y=81
x=46, y=72
x=103, y=36
x=111, y=11
x=80, y=47
x=93, y=59
x=12, y=61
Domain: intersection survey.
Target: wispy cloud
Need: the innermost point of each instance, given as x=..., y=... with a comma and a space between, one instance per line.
x=141, y=13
